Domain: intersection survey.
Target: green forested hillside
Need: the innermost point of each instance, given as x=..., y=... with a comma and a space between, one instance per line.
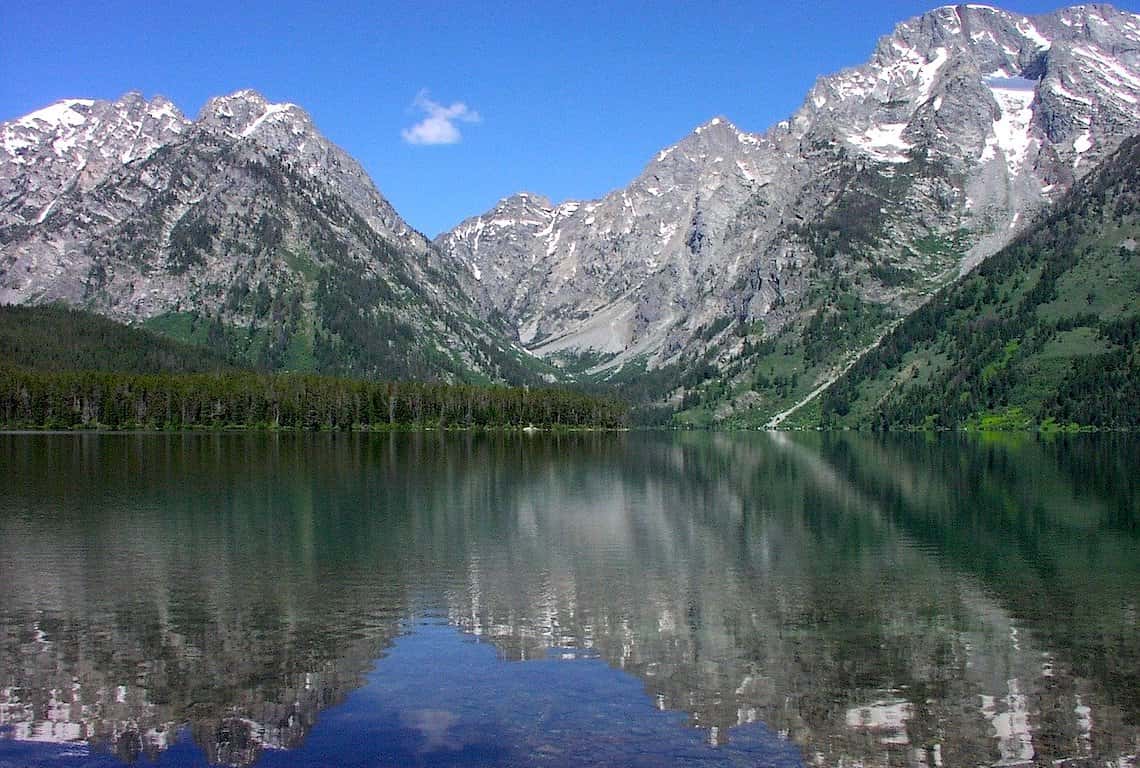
x=62, y=368
x=57, y=338
x=1045, y=333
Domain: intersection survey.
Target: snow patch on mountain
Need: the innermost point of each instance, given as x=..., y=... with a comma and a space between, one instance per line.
x=1012, y=129
x=271, y=111
x=62, y=113
x=1027, y=28
x=883, y=142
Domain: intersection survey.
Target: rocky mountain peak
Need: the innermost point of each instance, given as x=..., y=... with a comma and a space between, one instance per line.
x=75, y=144
x=971, y=85
x=249, y=217
x=718, y=137
x=718, y=130
x=890, y=177
x=73, y=126
x=524, y=202
x=974, y=26
x=915, y=62
x=962, y=123
x=67, y=112
x=287, y=133
x=245, y=112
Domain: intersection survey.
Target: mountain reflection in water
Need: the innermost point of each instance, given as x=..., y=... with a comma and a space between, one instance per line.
x=883, y=600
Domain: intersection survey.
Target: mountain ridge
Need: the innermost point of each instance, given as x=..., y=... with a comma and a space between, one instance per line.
x=893, y=59
x=247, y=221
x=892, y=178
x=737, y=271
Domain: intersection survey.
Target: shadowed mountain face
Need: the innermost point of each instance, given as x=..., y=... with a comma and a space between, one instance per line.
x=896, y=601
x=245, y=230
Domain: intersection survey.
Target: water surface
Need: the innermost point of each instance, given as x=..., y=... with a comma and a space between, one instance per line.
x=602, y=599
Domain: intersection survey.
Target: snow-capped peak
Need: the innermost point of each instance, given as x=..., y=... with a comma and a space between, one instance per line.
x=717, y=122
x=68, y=112
x=77, y=134
x=243, y=112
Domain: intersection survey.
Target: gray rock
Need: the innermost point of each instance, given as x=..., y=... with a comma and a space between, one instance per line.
x=931, y=156
x=962, y=126
x=247, y=216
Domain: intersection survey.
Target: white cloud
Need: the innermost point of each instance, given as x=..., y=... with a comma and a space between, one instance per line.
x=439, y=125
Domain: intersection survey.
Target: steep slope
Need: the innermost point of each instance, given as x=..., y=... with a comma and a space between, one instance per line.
x=614, y=275
x=1046, y=332
x=245, y=229
x=54, y=338
x=890, y=180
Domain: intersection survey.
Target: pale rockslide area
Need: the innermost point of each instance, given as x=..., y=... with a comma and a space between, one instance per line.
x=891, y=179
x=830, y=378
x=963, y=124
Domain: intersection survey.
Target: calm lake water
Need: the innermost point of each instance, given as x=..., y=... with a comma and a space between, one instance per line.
x=585, y=600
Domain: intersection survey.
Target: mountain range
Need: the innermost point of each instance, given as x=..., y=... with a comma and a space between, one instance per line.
x=733, y=280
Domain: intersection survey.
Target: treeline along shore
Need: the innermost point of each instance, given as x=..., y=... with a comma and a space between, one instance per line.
x=31, y=399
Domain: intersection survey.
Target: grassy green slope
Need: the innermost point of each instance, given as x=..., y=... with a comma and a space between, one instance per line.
x=56, y=338
x=1045, y=333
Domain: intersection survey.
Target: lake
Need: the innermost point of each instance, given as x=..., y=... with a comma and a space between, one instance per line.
x=600, y=599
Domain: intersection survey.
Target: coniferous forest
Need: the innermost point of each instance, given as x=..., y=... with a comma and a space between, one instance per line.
x=65, y=369
x=57, y=338
x=1042, y=335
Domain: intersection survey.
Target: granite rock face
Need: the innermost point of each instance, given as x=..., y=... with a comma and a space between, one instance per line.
x=963, y=124
x=247, y=217
x=73, y=146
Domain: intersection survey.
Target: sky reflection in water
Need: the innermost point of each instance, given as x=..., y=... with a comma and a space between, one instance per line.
x=441, y=698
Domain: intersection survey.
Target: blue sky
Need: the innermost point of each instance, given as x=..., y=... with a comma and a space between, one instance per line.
x=569, y=100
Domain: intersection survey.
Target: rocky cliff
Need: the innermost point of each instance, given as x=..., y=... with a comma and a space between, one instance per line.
x=890, y=180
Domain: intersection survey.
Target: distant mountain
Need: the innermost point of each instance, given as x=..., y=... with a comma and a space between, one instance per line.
x=245, y=229
x=56, y=338
x=1046, y=332
x=709, y=270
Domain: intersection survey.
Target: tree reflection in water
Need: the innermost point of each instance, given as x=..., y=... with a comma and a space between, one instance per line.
x=888, y=600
